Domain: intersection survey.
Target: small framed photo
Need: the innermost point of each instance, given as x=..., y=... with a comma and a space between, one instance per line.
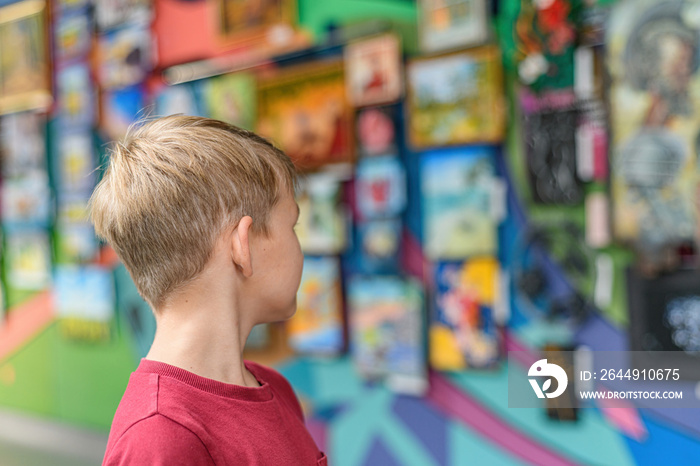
x=374, y=70
x=25, y=81
x=452, y=24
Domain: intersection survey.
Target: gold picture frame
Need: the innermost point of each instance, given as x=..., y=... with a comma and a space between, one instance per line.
x=25, y=71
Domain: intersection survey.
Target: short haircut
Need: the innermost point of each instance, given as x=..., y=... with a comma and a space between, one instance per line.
x=173, y=186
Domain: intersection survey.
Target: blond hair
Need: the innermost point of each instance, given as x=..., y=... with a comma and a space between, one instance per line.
x=173, y=186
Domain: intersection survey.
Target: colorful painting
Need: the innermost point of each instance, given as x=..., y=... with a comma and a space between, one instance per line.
x=185, y=98
x=64, y=6
x=386, y=331
x=27, y=260
x=305, y=111
x=456, y=99
x=374, y=69
x=125, y=57
x=76, y=162
x=380, y=187
x=322, y=225
x=73, y=36
x=243, y=20
x=76, y=243
x=84, y=297
x=539, y=39
x=452, y=24
x=379, y=243
x=317, y=326
x=376, y=131
x=76, y=96
x=112, y=13
x=463, y=333
x=231, y=98
x=25, y=82
x=655, y=117
x=23, y=143
x=26, y=200
x=458, y=193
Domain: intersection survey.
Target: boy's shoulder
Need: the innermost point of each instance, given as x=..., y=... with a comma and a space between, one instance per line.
x=137, y=418
x=169, y=415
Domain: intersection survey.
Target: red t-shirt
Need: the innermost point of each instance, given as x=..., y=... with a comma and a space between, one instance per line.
x=169, y=416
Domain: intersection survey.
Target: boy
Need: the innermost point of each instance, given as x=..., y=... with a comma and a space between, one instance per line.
x=202, y=214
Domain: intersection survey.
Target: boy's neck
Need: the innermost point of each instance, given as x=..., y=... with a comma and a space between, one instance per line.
x=201, y=331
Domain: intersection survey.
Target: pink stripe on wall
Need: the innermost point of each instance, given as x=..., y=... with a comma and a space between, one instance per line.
x=455, y=403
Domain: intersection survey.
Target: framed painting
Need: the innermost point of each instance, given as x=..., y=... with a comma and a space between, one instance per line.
x=654, y=117
x=241, y=21
x=458, y=198
x=125, y=56
x=463, y=333
x=317, y=325
x=73, y=36
x=374, y=70
x=456, y=99
x=76, y=96
x=85, y=302
x=305, y=111
x=380, y=187
x=323, y=219
x=23, y=143
x=111, y=14
x=386, y=331
x=25, y=81
x=452, y=24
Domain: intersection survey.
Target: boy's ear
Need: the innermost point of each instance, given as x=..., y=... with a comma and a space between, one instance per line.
x=240, y=246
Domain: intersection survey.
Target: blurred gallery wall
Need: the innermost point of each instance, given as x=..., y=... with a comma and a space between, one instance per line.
x=478, y=177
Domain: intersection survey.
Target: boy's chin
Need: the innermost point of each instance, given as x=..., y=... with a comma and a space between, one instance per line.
x=291, y=311
x=285, y=314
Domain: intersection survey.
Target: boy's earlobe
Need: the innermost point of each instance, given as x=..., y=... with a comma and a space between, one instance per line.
x=240, y=246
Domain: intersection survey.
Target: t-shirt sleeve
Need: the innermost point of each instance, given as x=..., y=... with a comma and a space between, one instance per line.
x=158, y=440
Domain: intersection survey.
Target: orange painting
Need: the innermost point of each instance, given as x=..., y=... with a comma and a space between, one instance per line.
x=306, y=113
